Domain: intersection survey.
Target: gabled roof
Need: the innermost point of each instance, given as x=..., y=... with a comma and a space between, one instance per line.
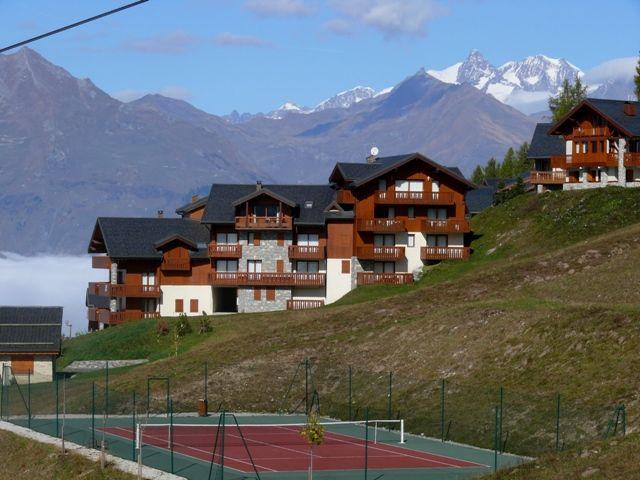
x=175, y=238
x=191, y=206
x=544, y=145
x=264, y=191
x=360, y=173
x=612, y=110
x=30, y=329
x=137, y=237
x=223, y=199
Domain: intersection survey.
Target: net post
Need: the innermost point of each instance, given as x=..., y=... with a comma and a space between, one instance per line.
x=366, y=443
x=224, y=421
x=389, y=397
x=558, y=422
x=133, y=426
x=402, y=430
x=106, y=388
x=495, y=440
x=29, y=398
x=375, y=432
x=171, y=431
x=93, y=414
x=138, y=435
x=350, y=394
x=442, y=411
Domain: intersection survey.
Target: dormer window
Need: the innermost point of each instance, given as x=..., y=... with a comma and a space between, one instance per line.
x=308, y=204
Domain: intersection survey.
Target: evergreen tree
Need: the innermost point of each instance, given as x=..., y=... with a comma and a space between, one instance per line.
x=523, y=164
x=636, y=80
x=508, y=167
x=569, y=97
x=492, y=169
x=478, y=175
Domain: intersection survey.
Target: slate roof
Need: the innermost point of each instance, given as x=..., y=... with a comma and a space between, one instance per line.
x=361, y=173
x=220, y=207
x=137, y=237
x=30, y=329
x=544, y=145
x=191, y=206
x=614, y=111
x=479, y=199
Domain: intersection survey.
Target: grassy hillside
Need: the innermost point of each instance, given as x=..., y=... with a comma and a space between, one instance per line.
x=24, y=458
x=548, y=304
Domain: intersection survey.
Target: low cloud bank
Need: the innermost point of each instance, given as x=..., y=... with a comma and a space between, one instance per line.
x=49, y=281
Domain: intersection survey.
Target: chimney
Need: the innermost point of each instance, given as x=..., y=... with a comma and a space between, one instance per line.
x=630, y=109
x=160, y=213
x=194, y=198
x=258, y=185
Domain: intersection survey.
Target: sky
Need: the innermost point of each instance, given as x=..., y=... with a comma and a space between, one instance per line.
x=253, y=55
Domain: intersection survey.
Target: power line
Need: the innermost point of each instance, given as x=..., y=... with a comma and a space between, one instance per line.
x=81, y=22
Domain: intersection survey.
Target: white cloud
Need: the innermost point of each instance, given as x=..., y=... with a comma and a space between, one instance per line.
x=49, y=281
x=278, y=8
x=339, y=26
x=171, y=91
x=227, y=39
x=171, y=43
x=616, y=69
x=392, y=17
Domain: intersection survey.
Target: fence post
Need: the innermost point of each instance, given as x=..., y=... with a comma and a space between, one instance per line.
x=93, y=414
x=106, y=389
x=366, y=443
x=171, y=431
x=206, y=380
x=350, y=395
x=442, y=411
x=389, y=400
x=306, y=386
x=29, y=398
x=2, y=392
x=133, y=429
x=558, y=422
x=501, y=416
x=57, y=407
x=495, y=441
x=624, y=420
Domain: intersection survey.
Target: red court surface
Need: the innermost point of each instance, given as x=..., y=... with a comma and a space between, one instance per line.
x=282, y=449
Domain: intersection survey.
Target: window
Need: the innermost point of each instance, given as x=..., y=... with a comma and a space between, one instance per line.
x=265, y=210
x=382, y=184
x=411, y=212
x=411, y=240
x=149, y=278
x=150, y=305
x=409, y=186
x=279, y=265
x=308, y=239
x=226, y=238
x=384, y=267
x=435, y=186
x=436, y=213
x=254, y=266
x=179, y=305
x=402, y=185
x=346, y=266
x=380, y=240
x=437, y=240
x=307, y=267
x=193, y=305
x=271, y=294
x=226, y=265
x=253, y=238
x=308, y=204
x=391, y=212
x=257, y=294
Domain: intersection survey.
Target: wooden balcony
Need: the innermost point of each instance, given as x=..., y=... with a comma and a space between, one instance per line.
x=371, y=252
x=369, y=278
x=101, y=261
x=105, y=289
x=591, y=132
x=414, y=198
x=304, y=252
x=101, y=315
x=632, y=159
x=176, y=264
x=445, y=253
x=265, y=279
x=380, y=225
x=548, y=178
x=251, y=222
x=598, y=159
x=219, y=250
x=450, y=225
x=304, y=304
x=345, y=196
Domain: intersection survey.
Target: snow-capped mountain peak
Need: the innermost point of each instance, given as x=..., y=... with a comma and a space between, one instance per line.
x=287, y=108
x=347, y=98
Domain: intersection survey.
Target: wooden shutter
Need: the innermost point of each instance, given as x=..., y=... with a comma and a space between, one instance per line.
x=279, y=266
x=193, y=305
x=257, y=294
x=280, y=239
x=22, y=364
x=346, y=266
x=179, y=305
x=256, y=239
x=271, y=294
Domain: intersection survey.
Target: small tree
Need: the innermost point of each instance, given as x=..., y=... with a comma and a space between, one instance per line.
x=507, y=169
x=205, y=324
x=181, y=328
x=478, y=175
x=492, y=169
x=313, y=433
x=523, y=164
x=636, y=80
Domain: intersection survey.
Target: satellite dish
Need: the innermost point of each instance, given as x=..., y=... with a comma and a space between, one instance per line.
x=374, y=151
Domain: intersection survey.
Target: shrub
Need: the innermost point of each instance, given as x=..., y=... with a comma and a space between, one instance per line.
x=183, y=327
x=205, y=324
x=162, y=328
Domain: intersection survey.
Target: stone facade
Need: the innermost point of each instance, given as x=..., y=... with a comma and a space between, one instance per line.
x=247, y=304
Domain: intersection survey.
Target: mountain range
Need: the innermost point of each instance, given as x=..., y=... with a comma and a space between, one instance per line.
x=70, y=152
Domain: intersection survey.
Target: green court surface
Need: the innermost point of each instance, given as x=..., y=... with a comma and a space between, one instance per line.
x=117, y=433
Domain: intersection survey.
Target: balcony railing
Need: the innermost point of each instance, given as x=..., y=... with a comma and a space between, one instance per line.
x=369, y=278
x=591, y=132
x=632, y=159
x=284, y=279
x=220, y=250
x=445, y=253
x=414, y=198
x=105, y=289
x=101, y=261
x=102, y=315
x=306, y=252
x=371, y=252
x=176, y=264
x=380, y=225
x=345, y=196
x=598, y=159
x=294, y=304
x=557, y=177
x=450, y=225
x=252, y=222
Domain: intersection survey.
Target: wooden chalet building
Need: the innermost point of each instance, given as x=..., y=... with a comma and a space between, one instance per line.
x=251, y=248
x=596, y=144
x=30, y=342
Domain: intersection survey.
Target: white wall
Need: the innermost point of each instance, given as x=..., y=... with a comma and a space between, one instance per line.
x=204, y=294
x=413, y=262
x=308, y=294
x=338, y=283
x=42, y=369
